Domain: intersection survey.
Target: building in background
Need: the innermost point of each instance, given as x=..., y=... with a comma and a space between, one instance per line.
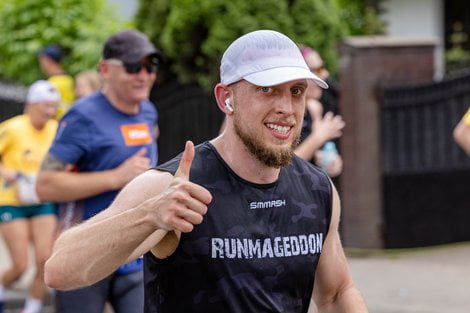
x=417, y=19
x=427, y=19
x=125, y=8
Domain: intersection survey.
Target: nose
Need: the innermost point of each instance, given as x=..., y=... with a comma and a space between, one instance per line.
x=284, y=104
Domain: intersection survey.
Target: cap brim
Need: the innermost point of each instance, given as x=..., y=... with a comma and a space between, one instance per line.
x=280, y=75
x=141, y=55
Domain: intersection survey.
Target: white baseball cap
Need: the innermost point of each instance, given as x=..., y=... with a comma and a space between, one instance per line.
x=42, y=91
x=265, y=58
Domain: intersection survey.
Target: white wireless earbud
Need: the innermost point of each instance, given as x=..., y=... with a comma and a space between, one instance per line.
x=228, y=105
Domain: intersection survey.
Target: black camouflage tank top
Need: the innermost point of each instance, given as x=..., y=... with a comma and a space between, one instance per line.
x=257, y=248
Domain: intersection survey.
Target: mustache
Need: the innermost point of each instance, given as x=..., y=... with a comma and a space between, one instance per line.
x=288, y=121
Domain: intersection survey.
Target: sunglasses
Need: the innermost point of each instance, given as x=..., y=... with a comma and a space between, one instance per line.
x=133, y=68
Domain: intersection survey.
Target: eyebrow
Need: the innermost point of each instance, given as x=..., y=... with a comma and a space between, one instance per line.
x=300, y=84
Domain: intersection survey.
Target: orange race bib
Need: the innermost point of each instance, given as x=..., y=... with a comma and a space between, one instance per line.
x=136, y=134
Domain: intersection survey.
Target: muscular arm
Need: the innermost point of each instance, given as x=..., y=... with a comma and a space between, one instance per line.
x=145, y=211
x=94, y=249
x=334, y=289
x=462, y=135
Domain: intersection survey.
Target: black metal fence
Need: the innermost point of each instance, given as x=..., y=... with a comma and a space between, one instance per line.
x=426, y=175
x=417, y=125
x=186, y=113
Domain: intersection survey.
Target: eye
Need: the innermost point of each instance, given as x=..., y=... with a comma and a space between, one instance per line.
x=296, y=91
x=265, y=89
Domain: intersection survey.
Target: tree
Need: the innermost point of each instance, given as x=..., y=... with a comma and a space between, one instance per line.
x=360, y=16
x=79, y=27
x=194, y=33
x=457, y=57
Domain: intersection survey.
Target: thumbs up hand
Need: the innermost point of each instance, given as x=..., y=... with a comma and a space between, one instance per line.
x=130, y=168
x=184, y=203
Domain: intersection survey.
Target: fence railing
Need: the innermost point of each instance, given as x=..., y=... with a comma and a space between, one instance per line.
x=417, y=125
x=425, y=174
x=186, y=113
x=12, y=99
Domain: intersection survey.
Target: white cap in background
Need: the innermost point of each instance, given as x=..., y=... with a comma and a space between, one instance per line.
x=42, y=91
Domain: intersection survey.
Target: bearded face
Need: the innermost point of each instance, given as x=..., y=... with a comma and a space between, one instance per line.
x=270, y=156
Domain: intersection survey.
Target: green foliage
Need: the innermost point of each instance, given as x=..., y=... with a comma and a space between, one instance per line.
x=193, y=34
x=360, y=17
x=318, y=25
x=80, y=27
x=457, y=57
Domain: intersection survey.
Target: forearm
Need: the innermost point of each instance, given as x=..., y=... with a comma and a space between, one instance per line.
x=307, y=148
x=110, y=242
x=61, y=186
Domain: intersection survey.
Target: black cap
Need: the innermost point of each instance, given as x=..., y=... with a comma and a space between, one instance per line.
x=129, y=46
x=51, y=51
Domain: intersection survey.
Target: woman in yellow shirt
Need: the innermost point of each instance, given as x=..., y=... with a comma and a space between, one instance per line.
x=24, y=141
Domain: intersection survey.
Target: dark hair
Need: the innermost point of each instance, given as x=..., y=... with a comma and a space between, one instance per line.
x=52, y=51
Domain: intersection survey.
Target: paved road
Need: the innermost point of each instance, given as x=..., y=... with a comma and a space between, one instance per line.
x=426, y=280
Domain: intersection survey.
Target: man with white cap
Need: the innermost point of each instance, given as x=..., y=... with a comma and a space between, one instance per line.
x=24, y=140
x=237, y=224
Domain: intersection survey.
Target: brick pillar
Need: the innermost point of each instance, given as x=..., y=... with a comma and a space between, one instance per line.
x=366, y=62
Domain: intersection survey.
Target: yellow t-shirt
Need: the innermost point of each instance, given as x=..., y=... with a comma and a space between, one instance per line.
x=466, y=117
x=63, y=83
x=22, y=149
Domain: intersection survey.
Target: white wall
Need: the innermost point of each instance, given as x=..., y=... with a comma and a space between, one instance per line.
x=125, y=8
x=417, y=18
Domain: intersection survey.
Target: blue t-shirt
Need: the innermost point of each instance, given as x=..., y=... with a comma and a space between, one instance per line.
x=95, y=136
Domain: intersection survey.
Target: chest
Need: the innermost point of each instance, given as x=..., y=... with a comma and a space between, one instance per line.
x=245, y=226
x=116, y=141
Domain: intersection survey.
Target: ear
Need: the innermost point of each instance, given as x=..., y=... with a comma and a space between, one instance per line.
x=223, y=93
x=103, y=68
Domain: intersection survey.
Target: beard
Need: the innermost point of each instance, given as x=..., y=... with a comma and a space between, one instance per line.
x=272, y=157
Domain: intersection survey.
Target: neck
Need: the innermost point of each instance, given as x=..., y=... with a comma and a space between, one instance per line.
x=119, y=103
x=38, y=125
x=242, y=161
